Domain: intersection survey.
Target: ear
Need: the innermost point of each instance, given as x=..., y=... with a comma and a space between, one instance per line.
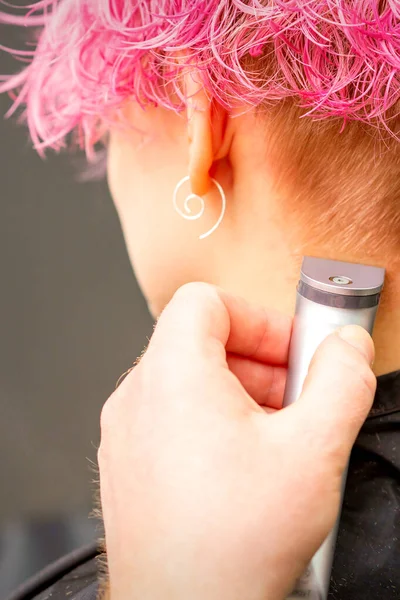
x=206, y=131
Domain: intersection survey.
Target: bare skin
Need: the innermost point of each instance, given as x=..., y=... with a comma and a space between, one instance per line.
x=256, y=253
x=211, y=462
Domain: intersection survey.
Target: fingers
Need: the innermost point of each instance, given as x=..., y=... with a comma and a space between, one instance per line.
x=203, y=319
x=264, y=383
x=256, y=333
x=337, y=394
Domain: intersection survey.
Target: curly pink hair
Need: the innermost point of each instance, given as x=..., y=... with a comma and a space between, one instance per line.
x=340, y=58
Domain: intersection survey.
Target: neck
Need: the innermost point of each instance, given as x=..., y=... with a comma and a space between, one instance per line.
x=272, y=283
x=265, y=265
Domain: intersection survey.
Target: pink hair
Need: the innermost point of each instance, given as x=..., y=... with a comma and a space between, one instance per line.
x=341, y=58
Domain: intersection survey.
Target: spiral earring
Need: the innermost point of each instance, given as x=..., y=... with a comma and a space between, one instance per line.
x=188, y=212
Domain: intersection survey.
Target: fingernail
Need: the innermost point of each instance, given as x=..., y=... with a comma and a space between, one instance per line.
x=360, y=339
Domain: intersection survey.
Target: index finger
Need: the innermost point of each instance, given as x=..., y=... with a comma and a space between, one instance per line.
x=202, y=318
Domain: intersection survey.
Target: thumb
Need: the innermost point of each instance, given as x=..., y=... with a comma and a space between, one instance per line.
x=337, y=394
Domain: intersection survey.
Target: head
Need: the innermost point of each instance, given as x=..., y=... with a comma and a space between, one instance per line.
x=291, y=106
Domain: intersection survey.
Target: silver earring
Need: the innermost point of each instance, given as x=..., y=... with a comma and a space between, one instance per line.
x=194, y=216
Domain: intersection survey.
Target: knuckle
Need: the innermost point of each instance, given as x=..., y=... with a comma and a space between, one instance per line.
x=357, y=370
x=345, y=363
x=111, y=422
x=118, y=411
x=107, y=415
x=367, y=377
x=110, y=413
x=194, y=290
x=120, y=405
x=101, y=454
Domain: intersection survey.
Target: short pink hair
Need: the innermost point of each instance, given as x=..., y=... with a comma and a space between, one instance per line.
x=340, y=58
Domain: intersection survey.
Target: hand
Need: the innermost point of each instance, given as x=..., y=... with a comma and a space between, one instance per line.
x=208, y=491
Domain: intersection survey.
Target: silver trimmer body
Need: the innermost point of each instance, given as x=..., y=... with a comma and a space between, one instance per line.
x=330, y=294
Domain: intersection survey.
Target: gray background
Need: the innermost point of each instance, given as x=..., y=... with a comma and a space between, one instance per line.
x=72, y=320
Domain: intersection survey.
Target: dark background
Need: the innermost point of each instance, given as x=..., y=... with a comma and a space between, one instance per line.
x=72, y=320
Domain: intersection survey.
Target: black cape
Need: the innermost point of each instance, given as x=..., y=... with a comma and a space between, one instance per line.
x=367, y=558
